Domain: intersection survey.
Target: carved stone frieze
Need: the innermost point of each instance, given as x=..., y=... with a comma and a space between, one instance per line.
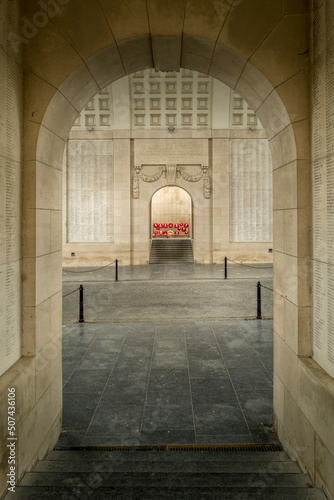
x=190, y=177
x=172, y=172
x=145, y=178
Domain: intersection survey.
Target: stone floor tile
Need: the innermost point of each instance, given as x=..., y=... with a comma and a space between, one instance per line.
x=163, y=360
x=170, y=378
x=104, y=345
x=268, y=363
x=219, y=419
x=79, y=408
x=112, y=420
x=74, y=352
x=164, y=417
x=123, y=392
x=168, y=398
x=70, y=438
x=246, y=358
x=246, y=378
x=68, y=369
x=213, y=391
x=202, y=351
x=114, y=366
x=98, y=361
x=130, y=368
x=168, y=437
x=169, y=344
x=87, y=381
x=112, y=440
x=212, y=368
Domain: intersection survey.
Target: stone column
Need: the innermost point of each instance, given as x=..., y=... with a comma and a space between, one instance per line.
x=122, y=197
x=220, y=195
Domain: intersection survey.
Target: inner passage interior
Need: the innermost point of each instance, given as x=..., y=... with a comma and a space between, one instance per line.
x=171, y=213
x=167, y=156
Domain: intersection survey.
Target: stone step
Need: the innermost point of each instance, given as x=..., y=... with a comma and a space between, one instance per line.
x=93, y=488
x=170, y=250
x=168, y=467
x=158, y=480
x=151, y=474
x=162, y=456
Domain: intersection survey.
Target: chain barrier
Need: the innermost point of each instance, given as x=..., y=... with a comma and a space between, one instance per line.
x=259, y=286
x=70, y=293
x=96, y=269
x=81, y=305
x=267, y=287
x=89, y=270
x=244, y=265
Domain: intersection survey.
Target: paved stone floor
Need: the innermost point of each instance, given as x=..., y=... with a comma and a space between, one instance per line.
x=167, y=382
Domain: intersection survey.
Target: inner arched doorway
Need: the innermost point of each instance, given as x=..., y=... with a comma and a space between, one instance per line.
x=269, y=108
x=42, y=269
x=171, y=213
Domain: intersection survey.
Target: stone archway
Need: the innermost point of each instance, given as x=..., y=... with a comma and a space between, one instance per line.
x=172, y=205
x=291, y=289
x=288, y=146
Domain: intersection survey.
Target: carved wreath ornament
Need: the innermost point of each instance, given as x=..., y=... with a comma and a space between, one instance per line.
x=172, y=171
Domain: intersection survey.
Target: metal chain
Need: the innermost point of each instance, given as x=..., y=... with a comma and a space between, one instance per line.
x=244, y=265
x=89, y=270
x=263, y=286
x=70, y=293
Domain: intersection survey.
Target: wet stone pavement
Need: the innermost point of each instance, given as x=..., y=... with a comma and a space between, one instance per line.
x=187, y=382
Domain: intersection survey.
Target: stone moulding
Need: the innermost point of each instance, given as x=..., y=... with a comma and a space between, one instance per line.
x=172, y=172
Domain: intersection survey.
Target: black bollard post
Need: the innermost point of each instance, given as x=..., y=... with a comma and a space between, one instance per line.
x=81, y=305
x=225, y=273
x=116, y=270
x=259, y=315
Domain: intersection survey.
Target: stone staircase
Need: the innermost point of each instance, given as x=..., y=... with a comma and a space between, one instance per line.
x=164, y=251
x=159, y=472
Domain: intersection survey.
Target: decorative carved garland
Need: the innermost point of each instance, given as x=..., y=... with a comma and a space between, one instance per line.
x=146, y=178
x=180, y=171
x=188, y=177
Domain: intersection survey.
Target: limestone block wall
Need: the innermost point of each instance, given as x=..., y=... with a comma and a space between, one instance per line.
x=11, y=120
x=68, y=61
x=30, y=357
x=304, y=384
x=10, y=192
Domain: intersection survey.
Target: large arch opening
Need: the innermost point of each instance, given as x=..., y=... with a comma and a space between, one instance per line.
x=128, y=237
x=180, y=128
x=237, y=72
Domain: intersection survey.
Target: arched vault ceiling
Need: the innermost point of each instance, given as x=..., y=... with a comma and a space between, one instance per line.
x=167, y=34
x=257, y=47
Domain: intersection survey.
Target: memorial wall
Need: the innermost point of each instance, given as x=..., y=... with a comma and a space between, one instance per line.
x=172, y=133
x=323, y=185
x=90, y=191
x=10, y=189
x=251, y=204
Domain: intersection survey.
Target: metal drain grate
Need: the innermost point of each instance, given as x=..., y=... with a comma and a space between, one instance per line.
x=226, y=447
x=264, y=448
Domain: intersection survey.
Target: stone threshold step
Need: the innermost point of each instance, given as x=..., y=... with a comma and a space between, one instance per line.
x=186, y=480
x=92, y=488
x=161, y=456
x=165, y=467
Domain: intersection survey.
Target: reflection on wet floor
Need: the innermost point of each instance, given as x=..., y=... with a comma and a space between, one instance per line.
x=159, y=383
